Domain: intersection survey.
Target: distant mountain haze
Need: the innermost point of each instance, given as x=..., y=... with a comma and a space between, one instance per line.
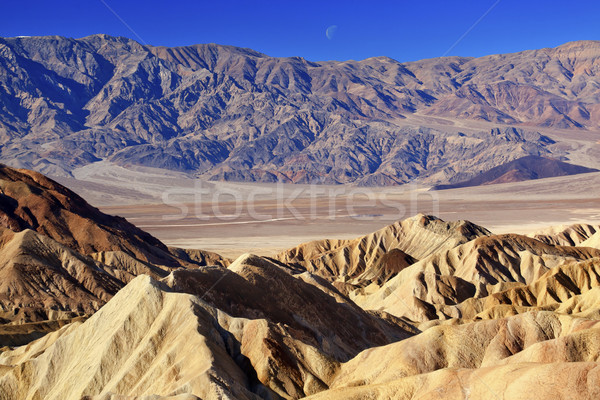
x=227, y=113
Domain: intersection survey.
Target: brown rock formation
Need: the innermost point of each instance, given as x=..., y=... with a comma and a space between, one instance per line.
x=422, y=309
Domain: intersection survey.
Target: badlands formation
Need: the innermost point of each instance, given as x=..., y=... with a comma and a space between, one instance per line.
x=94, y=308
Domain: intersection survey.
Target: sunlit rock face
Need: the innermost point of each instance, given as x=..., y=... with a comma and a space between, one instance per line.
x=226, y=113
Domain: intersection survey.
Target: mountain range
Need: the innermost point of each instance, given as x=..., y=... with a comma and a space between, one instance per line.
x=227, y=113
x=94, y=308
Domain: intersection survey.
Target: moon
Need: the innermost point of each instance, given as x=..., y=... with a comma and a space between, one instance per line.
x=330, y=32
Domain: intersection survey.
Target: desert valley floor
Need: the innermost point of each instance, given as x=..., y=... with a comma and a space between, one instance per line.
x=521, y=207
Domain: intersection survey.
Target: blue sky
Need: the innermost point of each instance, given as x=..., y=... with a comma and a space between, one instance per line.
x=402, y=30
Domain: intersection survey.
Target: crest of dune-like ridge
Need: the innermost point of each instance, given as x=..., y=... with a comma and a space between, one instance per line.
x=146, y=341
x=592, y=241
x=474, y=269
x=566, y=235
x=379, y=256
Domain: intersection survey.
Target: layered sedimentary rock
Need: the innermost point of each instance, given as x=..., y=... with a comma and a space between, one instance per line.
x=62, y=258
x=572, y=235
x=379, y=256
x=422, y=309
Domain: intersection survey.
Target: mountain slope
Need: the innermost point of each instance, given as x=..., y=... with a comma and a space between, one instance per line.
x=475, y=306
x=226, y=113
x=150, y=340
x=472, y=270
x=61, y=258
x=378, y=257
x=572, y=235
x=445, y=362
x=523, y=169
x=42, y=279
x=131, y=346
x=29, y=200
x=592, y=241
